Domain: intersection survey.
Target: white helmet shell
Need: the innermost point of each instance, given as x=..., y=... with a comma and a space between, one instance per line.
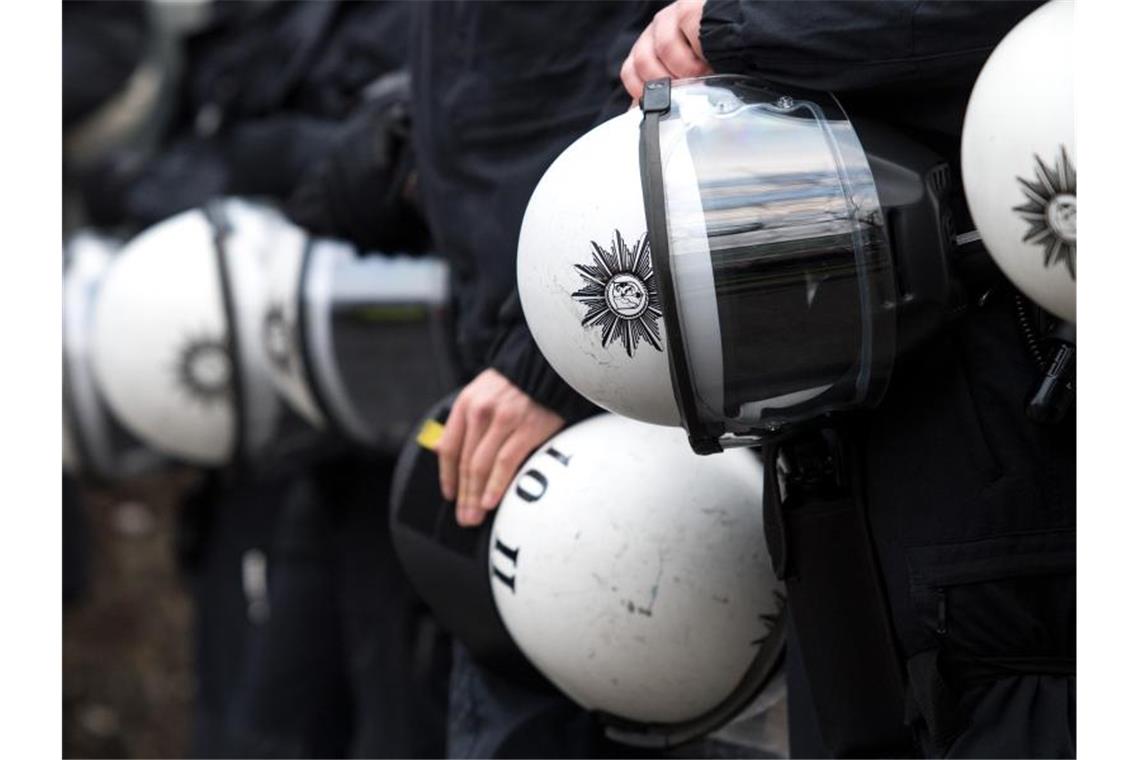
x=160, y=344
x=1019, y=158
x=584, y=236
x=634, y=573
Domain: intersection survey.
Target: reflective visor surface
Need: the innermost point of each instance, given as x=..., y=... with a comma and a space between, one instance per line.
x=779, y=259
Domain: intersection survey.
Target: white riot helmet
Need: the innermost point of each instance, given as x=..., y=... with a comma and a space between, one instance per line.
x=1019, y=158
x=735, y=258
x=635, y=576
x=357, y=343
x=177, y=333
x=94, y=443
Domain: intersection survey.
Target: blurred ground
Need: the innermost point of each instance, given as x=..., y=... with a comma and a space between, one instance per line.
x=127, y=680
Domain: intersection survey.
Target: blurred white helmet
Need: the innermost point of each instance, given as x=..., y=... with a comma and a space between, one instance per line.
x=357, y=342
x=1019, y=158
x=177, y=332
x=93, y=443
x=280, y=332
x=635, y=576
x=735, y=258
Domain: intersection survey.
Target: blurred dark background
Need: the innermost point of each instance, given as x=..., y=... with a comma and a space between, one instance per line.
x=167, y=651
x=127, y=679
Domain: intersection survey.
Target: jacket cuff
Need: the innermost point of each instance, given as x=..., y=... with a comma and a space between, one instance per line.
x=721, y=23
x=516, y=356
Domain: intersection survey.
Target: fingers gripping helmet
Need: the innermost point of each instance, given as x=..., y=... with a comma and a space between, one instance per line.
x=734, y=259
x=357, y=342
x=635, y=576
x=1019, y=158
x=93, y=442
x=446, y=563
x=176, y=337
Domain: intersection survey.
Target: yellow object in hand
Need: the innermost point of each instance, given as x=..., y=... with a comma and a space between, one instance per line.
x=430, y=434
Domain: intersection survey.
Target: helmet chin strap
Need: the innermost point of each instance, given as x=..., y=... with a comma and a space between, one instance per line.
x=656, y=101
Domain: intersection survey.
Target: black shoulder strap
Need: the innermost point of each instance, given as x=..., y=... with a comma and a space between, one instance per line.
x=818, y=536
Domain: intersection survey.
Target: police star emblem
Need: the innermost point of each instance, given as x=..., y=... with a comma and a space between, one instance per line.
x=202, y=370
x=1051, y=210
x=620, y=294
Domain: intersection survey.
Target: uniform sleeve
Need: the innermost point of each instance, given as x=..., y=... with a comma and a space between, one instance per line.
x=517, y=357
x=847, y=46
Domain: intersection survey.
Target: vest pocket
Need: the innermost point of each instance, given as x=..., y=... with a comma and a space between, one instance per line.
x=1007, y=601
x=992, y=609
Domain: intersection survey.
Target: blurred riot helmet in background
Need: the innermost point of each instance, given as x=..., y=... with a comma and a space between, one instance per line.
x=94, y=444
x=358, y=342
x=176, y=343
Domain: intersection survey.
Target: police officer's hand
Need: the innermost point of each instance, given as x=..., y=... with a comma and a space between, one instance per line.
x=670, y=47
x=492, y=428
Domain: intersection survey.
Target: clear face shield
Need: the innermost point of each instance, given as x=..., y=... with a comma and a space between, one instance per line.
x=769, y=244
x=372, y=335
x=358, y=342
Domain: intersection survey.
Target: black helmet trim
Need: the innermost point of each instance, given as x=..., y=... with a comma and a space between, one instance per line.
x=301, y=337
x=769, y=656
x=316, y=302
x=655, y=101
x=220, y=231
